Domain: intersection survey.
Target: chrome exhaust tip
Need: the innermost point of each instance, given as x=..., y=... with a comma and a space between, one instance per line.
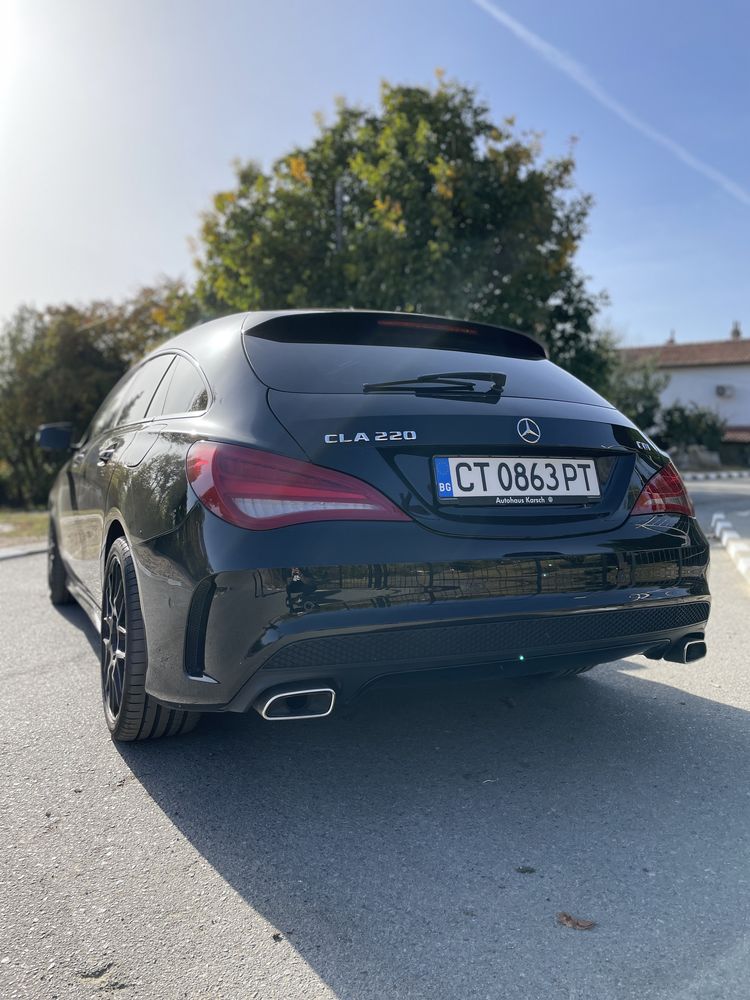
x=686, y=650
x=695, y=649
x=296, y=703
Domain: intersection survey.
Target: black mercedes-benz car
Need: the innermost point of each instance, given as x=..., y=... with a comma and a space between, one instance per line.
x=276, y=510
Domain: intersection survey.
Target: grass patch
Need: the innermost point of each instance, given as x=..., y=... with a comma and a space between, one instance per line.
x=18, y=527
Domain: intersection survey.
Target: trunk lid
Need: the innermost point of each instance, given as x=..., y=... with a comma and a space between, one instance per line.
x=366, y=437
x=339, y=403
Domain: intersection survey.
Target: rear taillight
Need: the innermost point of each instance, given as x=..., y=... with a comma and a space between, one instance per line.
x=255, y=489
x=664, y=493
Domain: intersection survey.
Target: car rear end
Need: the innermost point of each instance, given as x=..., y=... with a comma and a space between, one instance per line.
x=448, y=500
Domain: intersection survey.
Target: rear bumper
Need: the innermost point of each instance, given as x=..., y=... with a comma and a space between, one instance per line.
x=218, y=639
x=509, y=647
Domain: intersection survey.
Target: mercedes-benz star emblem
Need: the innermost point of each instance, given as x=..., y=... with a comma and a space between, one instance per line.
x=528, y=430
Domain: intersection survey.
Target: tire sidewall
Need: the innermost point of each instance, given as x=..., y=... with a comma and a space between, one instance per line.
x=127, y=723
x=140, y=717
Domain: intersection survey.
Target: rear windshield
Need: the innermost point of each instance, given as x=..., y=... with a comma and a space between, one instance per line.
x=397, y=330
x=284, y=359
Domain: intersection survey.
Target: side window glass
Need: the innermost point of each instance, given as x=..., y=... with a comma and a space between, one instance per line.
x=139, y=392
x=106, y=415
x=156, y=407
x=186, y=391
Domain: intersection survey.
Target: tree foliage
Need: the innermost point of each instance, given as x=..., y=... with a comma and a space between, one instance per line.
x=425, y=205
x=635, y=389
x=54, y=366
x=682, y=425
x=152, y=315
x=59, y=363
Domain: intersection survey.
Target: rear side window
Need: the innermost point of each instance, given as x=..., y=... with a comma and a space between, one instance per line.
x=141, y=388
x=182, y=390
x=106, y=415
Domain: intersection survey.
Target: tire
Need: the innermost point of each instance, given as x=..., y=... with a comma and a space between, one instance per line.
x=130, y=713
x=57, y=578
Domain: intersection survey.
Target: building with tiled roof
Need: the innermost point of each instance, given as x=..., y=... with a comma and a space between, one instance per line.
x=711, y=373
x=700, y=354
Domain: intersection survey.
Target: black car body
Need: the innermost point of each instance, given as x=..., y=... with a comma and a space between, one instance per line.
x=278, y=482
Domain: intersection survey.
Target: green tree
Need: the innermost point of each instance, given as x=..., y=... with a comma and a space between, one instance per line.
x=150, y=316
x=635, y=389
x=424, y=205
x=54, y=365
x=58, y=364
x=682, y=425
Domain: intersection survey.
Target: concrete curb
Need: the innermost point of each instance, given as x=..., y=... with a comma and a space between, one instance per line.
x=737, y=547
x=33, y=550
x=700, y=477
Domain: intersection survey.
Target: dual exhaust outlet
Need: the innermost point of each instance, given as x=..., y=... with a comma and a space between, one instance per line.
x=295, y=703
x=316, y=703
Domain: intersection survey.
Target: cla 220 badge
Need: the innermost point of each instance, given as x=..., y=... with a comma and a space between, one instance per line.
x=360, y=436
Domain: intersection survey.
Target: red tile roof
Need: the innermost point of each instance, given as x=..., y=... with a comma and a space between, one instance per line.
x=737, y=435
x=707, y=352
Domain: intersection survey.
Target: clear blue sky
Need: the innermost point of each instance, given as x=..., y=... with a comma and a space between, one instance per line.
x=119, y=120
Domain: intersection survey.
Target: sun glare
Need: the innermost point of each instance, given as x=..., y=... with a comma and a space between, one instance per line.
x=11, y=40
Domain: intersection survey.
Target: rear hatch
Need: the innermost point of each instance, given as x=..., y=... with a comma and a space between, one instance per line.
x=470, y=429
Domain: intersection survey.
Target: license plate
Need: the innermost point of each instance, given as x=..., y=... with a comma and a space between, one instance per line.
x=513, y=481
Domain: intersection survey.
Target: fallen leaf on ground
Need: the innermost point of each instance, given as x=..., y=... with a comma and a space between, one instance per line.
x=576, y=923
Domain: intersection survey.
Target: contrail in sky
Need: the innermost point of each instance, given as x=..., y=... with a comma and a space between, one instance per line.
x=580, y=75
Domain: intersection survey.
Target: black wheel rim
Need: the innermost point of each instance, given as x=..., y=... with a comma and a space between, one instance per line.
x=114, y=639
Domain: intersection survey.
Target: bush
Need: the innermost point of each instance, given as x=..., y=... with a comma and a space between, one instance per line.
x=635, y=389
x=681, y=426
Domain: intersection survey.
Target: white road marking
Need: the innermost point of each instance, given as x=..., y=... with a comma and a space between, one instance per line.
x=737, y=548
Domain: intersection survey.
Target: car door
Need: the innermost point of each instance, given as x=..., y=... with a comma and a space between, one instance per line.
x=97, y=460
x=77, y=520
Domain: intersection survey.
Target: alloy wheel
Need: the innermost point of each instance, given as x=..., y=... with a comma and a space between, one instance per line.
x=114, y=639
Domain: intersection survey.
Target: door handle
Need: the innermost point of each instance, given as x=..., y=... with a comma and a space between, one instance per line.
x=105, y=454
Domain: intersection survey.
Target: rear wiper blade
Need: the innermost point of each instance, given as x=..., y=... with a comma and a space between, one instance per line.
x=481, y=387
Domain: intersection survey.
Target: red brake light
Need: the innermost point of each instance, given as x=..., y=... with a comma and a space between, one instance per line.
x=256, y=489
x=664, y=493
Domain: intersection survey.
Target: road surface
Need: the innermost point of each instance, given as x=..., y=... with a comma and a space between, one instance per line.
x=731, y=497
x=419, y=849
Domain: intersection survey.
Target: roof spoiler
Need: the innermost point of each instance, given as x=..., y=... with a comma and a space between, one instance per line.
x=396, y=329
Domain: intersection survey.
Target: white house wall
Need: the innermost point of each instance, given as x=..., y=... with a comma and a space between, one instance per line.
x=698, y=385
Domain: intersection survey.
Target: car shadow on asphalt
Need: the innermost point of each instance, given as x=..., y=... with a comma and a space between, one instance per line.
x=386, y=844
x=75, y=614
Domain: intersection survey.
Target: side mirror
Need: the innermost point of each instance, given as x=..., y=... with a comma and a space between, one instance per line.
x=55, y=437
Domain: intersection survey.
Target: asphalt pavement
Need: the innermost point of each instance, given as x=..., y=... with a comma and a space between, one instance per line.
x=729, y=497
x=420, y=847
